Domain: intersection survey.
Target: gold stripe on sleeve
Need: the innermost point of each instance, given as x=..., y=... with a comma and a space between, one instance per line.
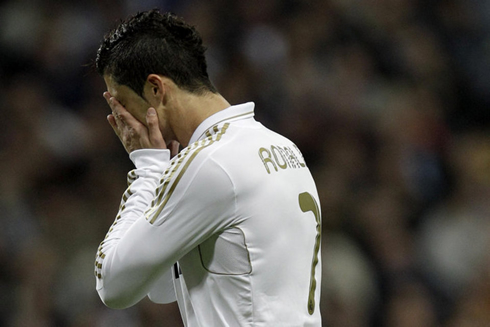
x=175, y=166
x=154, y=212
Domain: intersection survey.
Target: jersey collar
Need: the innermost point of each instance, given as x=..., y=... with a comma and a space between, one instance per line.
x=236, y=112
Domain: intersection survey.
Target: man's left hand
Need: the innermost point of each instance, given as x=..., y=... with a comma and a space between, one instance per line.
x=133, y=134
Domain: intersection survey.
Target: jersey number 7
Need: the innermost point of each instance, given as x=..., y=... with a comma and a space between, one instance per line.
x=308, y=203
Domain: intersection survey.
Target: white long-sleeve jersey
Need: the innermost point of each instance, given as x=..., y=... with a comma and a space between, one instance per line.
x=238, y=210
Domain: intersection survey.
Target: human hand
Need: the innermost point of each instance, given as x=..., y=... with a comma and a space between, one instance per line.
x=174, y=148
x=133, y=134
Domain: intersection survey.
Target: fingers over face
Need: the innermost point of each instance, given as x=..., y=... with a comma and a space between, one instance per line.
x=121, y=115
x=174, y=148
x=112, y=121
x=114, y=117
x=154, y=132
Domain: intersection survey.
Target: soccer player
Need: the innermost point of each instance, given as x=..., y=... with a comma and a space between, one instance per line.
x=230, y=227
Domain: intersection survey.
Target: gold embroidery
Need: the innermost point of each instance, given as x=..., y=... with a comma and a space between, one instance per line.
x=154, y=212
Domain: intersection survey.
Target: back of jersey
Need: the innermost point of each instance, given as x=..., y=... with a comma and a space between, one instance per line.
x=256, y=259
x=279, y=215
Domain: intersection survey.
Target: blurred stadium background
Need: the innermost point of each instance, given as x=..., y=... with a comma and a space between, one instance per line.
x=388, y=100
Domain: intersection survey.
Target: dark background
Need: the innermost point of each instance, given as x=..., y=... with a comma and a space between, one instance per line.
x=387, y=99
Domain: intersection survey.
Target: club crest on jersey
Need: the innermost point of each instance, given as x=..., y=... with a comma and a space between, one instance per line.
x=281, y=157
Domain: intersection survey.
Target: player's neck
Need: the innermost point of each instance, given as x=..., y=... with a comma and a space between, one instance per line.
x=193, y=110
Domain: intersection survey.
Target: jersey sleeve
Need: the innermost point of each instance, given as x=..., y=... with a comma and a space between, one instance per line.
x=163, y=290
x=189, y=206
x=142, y=182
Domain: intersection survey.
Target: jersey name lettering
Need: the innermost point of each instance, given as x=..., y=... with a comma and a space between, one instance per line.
x=281, y=157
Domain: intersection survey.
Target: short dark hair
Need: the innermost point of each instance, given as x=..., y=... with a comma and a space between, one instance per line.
x=154, y=43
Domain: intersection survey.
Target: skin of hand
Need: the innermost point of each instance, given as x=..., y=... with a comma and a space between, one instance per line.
x=133, y=134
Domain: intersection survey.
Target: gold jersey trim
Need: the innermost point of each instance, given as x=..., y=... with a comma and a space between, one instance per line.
x=162, y=196
x=193, y=150
x=100, y=254
x=208, y=134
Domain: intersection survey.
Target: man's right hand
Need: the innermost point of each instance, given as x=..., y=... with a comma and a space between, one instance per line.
x=133, y=134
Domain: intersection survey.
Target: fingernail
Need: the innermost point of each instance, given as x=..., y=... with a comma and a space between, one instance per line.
x=151, y=112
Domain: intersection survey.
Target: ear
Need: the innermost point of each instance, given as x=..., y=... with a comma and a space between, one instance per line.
x=154, y=90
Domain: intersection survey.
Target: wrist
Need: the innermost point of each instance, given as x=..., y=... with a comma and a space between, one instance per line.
x=150, y=159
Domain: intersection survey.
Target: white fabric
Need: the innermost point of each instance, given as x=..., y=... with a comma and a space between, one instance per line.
x=227, y=208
